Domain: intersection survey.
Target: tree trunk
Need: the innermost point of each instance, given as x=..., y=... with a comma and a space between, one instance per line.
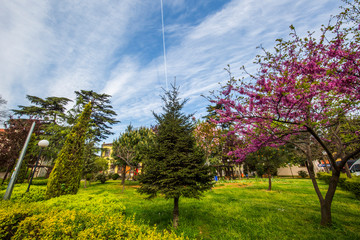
x=85, y=183
x=6, y=174
x=326, y=204
x=176, y=213
x=347, y=170
x=123, y=178
x=269, y=175
x=325, y=213
x=310, y=168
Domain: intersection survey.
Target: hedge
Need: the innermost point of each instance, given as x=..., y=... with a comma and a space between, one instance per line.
x=47, y=220
x=22, y=223
x=348, y=184
x=10, y=218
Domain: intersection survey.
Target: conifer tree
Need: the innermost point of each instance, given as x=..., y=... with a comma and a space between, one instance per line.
x=176, y=166
x=66, y=175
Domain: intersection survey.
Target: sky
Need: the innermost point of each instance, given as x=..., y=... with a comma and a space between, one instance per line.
x=53, y=48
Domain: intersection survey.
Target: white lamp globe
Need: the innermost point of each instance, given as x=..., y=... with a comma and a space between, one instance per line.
x=43, y=143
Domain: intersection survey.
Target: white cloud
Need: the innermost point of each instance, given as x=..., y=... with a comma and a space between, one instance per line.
x=229, y=36
x=56, y=47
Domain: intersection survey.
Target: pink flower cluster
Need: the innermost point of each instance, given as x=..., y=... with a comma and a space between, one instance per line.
x=304, y=84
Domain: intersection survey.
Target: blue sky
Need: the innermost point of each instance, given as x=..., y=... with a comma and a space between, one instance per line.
x=53, y=48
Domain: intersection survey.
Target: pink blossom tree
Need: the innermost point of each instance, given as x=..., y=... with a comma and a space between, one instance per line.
x=308, y=87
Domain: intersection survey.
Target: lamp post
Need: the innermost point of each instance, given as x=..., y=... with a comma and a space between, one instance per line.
x=42, y=144
x=13, y=178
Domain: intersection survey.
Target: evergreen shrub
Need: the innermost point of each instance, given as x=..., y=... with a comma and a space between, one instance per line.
x=89, y=176
x=66, y=174
x=302, y=174
x=115, y=176
x=101, y=177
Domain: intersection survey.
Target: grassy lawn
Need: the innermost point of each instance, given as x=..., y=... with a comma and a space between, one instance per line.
x=237, y=210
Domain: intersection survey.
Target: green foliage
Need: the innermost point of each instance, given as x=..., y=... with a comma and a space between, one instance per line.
x=24, y=172
x=176, y=166
x=101, y=177
x=302, y=174
x=101, y=164
x=48, y=109
x=232, y=210
x=84, y=225
x=10, y=217
x=89, y=176
x=115, y=176
x=267, y=160
x=326, y=177
x=82, y=216
x=352, y=185
x=91, y=162
x=348, y=184
x=66, y=175
x=39, y=181
x=95, y=203
x=132, y=146
x=102, y=117
x=35, y=195
x=56, y=135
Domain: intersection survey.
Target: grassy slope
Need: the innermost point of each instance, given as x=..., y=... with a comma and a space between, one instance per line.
x=242, y=210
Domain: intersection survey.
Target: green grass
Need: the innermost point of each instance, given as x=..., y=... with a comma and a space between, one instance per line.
x=237, y=210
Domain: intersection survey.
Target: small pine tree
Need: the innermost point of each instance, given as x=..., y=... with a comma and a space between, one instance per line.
x=176, y=166
x=66, y=175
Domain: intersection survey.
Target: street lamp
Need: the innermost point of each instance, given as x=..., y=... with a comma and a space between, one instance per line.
x=42, y=144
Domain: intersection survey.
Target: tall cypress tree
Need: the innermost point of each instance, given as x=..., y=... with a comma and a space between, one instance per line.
x=66, y=175
x=176, y=166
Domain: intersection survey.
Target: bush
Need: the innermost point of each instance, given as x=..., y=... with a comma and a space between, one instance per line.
x=89, y=176
x=323, y=176
x=115, y=176
x=348, y=184
x=10, y=217
x=34, y=195
x=101, y=203
x=39, y=181
x=302, y=174
x=352, y=185
x=73, y=217
x=71, y=224
x=101, y=177
x=326, y=177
